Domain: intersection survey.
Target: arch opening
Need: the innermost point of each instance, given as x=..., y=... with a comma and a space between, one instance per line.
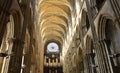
x=113, y=43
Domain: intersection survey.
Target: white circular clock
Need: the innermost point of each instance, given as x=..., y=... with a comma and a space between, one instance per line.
x=52, y=47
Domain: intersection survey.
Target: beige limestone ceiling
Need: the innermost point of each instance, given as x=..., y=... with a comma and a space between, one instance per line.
x=54, y=16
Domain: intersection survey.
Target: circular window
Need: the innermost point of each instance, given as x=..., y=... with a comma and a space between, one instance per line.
x=52, y=47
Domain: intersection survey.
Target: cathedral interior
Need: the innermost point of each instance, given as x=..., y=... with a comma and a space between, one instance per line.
x=59, y=36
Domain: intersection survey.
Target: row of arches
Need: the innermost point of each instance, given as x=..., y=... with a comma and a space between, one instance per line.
x=105, y=57
x=16, y=35
x=11, y=26
x=99, y=40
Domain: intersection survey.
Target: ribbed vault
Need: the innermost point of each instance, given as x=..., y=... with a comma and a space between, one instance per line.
x=54, y=16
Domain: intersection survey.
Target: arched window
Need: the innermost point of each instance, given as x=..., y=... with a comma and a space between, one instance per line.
x=113, y=44
x=7, y=44
x=85, y=23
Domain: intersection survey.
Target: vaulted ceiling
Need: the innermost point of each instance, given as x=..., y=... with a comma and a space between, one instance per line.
x=54, y=16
